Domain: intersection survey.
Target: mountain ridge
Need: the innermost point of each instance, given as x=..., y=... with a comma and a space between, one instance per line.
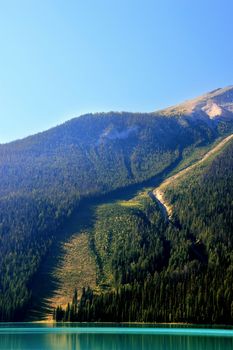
x=173, y=110
x=218, y=98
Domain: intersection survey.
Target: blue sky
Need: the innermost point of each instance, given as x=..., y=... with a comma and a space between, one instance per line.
x=59, y=59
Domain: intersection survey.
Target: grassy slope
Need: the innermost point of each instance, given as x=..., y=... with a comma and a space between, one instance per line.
x=71, y=263
x=76, y=269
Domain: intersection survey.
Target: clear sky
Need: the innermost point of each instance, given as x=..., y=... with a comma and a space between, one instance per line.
x=62, y=58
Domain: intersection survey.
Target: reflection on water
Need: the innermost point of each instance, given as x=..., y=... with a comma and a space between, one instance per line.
x=91, y=341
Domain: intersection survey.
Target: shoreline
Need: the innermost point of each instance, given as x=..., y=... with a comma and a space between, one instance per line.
x=90, y=324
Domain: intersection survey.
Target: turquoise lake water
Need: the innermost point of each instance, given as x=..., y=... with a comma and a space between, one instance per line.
x=70, y=337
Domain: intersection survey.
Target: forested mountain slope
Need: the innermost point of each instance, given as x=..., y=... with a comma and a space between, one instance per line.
x=176, y=271
x=45, y=177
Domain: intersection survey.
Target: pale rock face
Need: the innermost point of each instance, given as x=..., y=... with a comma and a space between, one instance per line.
x=212, y=110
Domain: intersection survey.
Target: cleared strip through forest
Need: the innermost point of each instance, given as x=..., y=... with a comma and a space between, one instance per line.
x=159, y=191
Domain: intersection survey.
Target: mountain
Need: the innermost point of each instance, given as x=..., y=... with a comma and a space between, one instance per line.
x=45, y=178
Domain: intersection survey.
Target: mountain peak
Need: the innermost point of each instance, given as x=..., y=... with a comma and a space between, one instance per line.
x=214, y=104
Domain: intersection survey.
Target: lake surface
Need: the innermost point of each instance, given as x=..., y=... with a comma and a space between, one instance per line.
x=75, y=336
